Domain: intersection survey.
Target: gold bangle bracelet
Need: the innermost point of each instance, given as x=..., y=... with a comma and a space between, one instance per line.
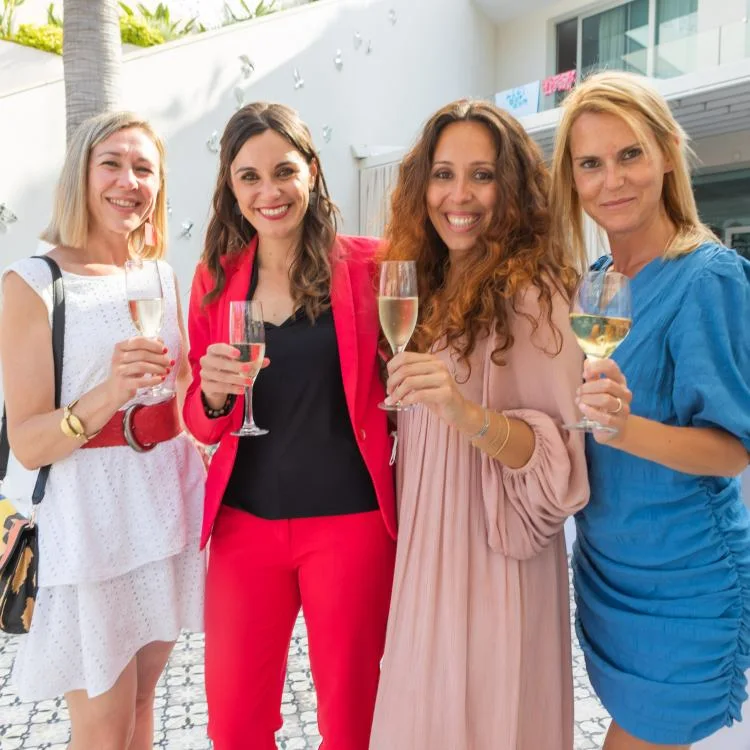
x=495, y=439
x=72, y=426
x=507, y=437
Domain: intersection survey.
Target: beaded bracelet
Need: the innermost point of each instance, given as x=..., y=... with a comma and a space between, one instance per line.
x=485, y=426
x=223, y=411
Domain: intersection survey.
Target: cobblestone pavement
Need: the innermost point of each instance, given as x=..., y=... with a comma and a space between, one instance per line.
x=181, y=704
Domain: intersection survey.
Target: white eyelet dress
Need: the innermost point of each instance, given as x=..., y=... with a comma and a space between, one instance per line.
x=119, y=559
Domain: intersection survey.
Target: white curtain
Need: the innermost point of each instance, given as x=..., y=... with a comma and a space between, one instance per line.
x=612, y=27
x=375, y=187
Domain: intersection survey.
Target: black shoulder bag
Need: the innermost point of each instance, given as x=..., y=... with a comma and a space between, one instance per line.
x=19, y=550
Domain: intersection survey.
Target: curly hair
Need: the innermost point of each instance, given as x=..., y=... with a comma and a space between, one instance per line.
x=515, y=253
x=229, y=232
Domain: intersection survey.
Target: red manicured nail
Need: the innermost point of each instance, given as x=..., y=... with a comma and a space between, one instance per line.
x=164, y=350
x=171, y=363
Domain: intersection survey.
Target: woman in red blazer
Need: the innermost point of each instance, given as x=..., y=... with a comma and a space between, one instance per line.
x=304, y=515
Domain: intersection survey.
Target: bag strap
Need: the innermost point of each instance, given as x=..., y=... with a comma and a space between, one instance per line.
x=58, y=346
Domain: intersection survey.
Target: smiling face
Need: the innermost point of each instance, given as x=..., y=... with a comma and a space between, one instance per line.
x=462, y=192
x=123, y=182
x=618, y=179
x=271, y=181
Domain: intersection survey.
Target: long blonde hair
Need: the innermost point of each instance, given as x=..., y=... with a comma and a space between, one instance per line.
x=70, y=217
x=634, y=100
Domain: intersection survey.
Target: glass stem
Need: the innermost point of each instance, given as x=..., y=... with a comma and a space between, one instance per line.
x=249, y=421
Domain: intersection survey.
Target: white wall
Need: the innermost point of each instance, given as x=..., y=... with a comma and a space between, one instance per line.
x=731, y=150
x=526, y=45
x=187, y=90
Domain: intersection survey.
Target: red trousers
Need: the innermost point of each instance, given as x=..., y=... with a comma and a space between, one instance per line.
x=339, y=569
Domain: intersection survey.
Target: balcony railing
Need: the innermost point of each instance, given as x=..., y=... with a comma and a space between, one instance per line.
x=721, y=45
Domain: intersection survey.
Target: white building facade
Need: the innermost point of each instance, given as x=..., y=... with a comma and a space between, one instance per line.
x=697, y=51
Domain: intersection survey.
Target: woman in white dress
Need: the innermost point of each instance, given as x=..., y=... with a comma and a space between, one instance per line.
x=120, y=572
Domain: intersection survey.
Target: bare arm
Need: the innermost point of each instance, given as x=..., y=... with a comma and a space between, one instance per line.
x=705, y=451
x=28, y=379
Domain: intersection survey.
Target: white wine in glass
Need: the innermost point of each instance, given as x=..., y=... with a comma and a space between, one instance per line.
x=147, y=315
x=600, y=319
x=398, y=305
x=146, y=305
x=247, y=333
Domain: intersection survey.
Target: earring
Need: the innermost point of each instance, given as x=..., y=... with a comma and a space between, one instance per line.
x=150, y=235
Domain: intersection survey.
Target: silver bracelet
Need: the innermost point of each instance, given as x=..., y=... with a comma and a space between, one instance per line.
x=485, y=426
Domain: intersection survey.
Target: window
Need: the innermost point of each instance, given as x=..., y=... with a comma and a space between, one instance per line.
x=567, y=46
x=676, y=37
x=616, y=39
x=658, y=38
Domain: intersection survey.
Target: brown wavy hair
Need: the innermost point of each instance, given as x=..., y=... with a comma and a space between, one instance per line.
x=515, y=253
x=229, y=232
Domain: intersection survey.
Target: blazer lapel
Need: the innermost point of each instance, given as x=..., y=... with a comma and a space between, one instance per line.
x=344, y=320
x=238, y=282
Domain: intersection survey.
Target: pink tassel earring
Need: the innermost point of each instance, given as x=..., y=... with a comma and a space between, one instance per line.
x=150, y=235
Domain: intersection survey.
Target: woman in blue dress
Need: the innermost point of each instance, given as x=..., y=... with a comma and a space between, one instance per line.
x=662, y=556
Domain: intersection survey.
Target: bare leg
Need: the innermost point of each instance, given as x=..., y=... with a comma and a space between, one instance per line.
x=619, y=739
x=150, y=663
x=107, y=721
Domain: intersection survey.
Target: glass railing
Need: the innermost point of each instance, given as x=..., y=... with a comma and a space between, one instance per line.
x=703, y=50
x=706, y=49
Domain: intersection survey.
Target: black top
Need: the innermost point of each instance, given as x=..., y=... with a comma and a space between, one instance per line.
x=309, y=463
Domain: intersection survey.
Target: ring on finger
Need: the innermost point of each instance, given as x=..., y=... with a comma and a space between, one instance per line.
x=619, y=406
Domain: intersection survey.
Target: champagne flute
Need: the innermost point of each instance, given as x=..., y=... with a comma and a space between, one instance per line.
x=600, y=319
x=146, y=303
x=248, y=334
x=398, y=305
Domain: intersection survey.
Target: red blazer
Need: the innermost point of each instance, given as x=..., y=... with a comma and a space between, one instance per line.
x=355, y=320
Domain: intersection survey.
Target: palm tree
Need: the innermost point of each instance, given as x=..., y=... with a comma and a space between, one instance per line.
x=92, y=59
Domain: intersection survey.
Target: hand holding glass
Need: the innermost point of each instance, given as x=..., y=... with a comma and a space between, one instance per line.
x=248, y=334
x=398, y=305
x=600, y=319
x=146, y=304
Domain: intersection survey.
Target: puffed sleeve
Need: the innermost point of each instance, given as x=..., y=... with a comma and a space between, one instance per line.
x=527, y=507
x=709, y=344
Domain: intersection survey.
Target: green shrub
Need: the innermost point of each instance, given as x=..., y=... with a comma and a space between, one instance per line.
x=47, y=37
x=136, y=31
x=52, y=19
x=247, y=13
x=160, y=21
x=6, y=17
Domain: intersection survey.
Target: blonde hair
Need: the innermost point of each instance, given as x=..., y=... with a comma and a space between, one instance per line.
x=634, y=100
x=69, y=224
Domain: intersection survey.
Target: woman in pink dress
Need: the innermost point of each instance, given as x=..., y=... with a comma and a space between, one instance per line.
x=478, y=646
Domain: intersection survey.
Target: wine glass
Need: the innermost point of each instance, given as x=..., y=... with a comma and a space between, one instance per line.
x=146, y=304
x=248, y=334
x=600, y=318
x=398, y=304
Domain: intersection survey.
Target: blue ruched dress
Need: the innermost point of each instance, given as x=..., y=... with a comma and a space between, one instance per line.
x=662, y=558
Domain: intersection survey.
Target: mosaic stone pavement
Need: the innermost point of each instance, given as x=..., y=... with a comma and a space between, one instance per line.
x=181, y=704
